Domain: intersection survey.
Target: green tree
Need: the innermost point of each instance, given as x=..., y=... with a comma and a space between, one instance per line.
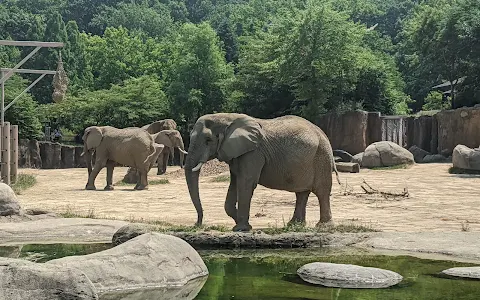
x=198, y=75
x=24, y=111
x=76, y=63
x=154, y=21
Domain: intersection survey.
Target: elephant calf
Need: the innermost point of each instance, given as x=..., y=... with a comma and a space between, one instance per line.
x=133, y=147
x=287, y=153
x=171, y=139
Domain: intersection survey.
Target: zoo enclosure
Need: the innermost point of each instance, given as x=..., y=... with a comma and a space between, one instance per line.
x=9, y=134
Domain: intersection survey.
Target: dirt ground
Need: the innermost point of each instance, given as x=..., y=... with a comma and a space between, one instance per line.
x=437, y=201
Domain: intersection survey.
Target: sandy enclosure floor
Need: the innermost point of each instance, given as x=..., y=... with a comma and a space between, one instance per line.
x=438, y=201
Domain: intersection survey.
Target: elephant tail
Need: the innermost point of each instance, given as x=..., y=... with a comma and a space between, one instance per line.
x=336, y=173
x=156, y=150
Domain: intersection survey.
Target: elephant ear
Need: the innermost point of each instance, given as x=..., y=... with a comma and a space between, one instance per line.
x=92, y=137
x=241, y=136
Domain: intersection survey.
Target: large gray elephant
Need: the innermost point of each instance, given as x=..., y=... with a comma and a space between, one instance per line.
x=287, y=153
x=133, y=147
x=171, y=139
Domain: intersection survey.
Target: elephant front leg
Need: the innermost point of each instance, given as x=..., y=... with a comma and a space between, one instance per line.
x=300, y=208
x=231, y=200
x=247, y=169
x=110, y=167
x=93, y=175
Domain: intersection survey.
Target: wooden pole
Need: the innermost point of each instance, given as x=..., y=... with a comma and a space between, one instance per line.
x=14, y=153
x=5, y=173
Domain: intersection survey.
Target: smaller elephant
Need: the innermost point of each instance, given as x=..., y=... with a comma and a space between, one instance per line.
x=133, y=147
x=160, y=125
x=171, y=139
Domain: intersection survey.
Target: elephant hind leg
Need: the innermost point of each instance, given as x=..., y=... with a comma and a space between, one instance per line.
x=142, y=184
x=300, y=208
x=323, y=196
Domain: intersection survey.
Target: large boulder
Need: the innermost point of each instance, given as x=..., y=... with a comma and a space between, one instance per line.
x=418, y=153
x=357, y=158
x=386, y=154
x=463, y=272
x=347, y=276
x=21, y=279
x=8, y=201
x=128, y=232
x=150, y=260
x=466, y=158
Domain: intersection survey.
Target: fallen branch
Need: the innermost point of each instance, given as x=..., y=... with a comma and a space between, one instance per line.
x=370, y=190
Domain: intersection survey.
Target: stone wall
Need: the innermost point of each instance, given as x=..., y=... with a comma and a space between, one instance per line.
x=352, y=131
x=439, y=133
x=48, y=155
x=459, y=126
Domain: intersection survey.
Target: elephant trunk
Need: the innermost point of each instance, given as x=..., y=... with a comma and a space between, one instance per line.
x=192, y=183
x=88, y=160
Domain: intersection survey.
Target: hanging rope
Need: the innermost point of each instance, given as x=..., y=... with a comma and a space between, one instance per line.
x=60, y=82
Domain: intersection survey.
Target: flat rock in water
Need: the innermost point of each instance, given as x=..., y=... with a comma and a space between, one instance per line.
x=21, y=279
x=348, y=276
x=150, y=260
x=464, y=272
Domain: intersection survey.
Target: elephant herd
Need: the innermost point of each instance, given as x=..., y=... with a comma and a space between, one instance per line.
x=286, y=153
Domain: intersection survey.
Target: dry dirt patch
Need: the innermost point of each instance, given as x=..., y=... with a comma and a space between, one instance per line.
x=437, y=201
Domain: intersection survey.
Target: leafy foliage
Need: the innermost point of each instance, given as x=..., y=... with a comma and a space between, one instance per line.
x=133, y=61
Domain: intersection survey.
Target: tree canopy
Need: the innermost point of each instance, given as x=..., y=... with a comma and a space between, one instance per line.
x=131, y=62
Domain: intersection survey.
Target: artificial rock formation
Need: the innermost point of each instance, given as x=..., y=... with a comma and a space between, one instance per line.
x=386, y=154
x=150, y=260
x=347, y=276
x=466, y=158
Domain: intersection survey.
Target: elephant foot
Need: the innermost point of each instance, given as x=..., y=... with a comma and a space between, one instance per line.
x=141, y=187
x=296, y=222
x=242, y=227
x=322, y=223
x=90, y=187
x=108, y=188
x=160, y=173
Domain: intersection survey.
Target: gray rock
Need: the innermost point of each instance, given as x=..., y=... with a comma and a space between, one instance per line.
x=434, y=158
x=128, y=232
x=418, y=153
x=150, y=260
x=8, y=201
x=466, y=158
x=386, y=154
x=347, y=276
x=357, y=158
x=21, y=279
x=464, y=272
x=343, y=155
x=186, y=292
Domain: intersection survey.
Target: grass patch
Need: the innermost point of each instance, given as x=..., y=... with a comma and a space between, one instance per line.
x=221, y=178
x=23, y=182
x=402, y=166
x=70, y=213
x=159, y=181
x=326, y=228
x=453, y=170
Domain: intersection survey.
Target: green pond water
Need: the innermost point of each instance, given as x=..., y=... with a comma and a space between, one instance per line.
x=269, y=275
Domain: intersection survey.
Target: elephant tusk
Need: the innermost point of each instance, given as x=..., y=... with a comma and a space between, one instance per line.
x=183, y=151
x=198, y=167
